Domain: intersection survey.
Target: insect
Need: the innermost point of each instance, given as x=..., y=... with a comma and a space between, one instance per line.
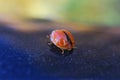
x=63, y=39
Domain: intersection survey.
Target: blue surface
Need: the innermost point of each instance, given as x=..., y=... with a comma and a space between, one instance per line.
x=26, y=56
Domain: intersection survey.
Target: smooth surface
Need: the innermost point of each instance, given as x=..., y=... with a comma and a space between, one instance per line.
x=26, y=56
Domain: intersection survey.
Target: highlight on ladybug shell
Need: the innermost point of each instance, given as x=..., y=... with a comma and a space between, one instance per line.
x=63, y=39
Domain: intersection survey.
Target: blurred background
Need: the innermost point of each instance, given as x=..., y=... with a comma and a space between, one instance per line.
x=25, y=55
x=102, y=12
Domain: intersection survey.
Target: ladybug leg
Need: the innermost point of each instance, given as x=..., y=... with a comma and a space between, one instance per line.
x=62, y=51
x=74, y=47
x=50, y=43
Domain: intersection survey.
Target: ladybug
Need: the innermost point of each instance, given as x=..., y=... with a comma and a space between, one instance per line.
x=62, y=39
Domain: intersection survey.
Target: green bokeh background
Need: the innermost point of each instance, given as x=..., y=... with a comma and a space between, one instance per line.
x=105, y=12
x=102, y=12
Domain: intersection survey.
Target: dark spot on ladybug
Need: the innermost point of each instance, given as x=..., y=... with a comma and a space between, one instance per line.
x=68, y=39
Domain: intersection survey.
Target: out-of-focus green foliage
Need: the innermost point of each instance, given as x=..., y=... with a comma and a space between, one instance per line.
x=93, y=11
x=106, y=12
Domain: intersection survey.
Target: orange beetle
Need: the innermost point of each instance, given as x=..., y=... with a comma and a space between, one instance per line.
x=63, y=39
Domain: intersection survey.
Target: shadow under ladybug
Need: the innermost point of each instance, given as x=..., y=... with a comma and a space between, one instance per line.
x=58, y=51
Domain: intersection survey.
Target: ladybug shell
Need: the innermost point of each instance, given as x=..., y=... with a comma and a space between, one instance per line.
x=62, y=39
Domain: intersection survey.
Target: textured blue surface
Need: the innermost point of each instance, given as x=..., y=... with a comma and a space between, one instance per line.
x=26, y=56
